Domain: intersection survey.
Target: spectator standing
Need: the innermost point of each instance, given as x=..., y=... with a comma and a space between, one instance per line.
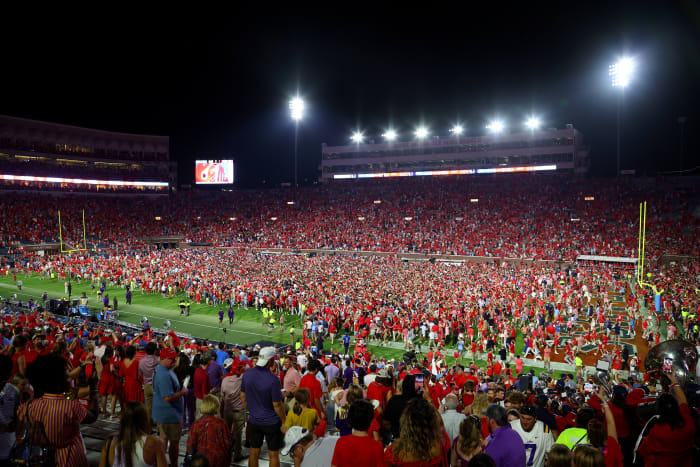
x=422, y=440
x=209, y=434
x=536, y=436
x=359, y=448
x=168, y=404
x=311, y=382
x=201, y=382
x=147, y=367
x=452, y=419
x=61, y=416
x=504, y=445
x=233, y=412
x=262, y=398
x=134, y=441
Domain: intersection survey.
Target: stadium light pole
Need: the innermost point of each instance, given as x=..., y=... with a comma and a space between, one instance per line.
x=620, y=76
x=296, y=106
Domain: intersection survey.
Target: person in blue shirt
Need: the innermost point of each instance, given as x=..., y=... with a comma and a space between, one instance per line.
x=168, y=403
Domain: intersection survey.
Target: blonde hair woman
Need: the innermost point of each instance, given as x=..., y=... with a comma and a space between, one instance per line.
x=209, y=434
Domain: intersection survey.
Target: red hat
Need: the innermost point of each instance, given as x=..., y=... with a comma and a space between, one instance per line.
x=168, y=353
x=595, y=403
x=635, y=396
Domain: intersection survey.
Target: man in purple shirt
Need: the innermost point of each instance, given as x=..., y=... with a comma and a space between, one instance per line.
x=147, y=366
x=505, y=446
x=261, y=396
x=215, y=370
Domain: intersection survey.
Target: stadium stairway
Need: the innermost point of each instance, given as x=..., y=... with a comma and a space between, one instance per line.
x=95, y=434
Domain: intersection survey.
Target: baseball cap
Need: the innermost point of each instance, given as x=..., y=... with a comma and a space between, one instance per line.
x=168, y=353
x=293, y=435
x=266, y=353
x=496, y=412
x=228, y=362
x=528, y=410
x=383, y=373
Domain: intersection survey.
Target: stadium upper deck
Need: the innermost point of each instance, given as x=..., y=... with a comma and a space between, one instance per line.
x=560, y=149
x=81, y=158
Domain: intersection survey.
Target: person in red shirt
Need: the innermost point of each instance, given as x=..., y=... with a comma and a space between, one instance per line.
x=359, y=448
x=201, y=382
x=670, y=440
x=310, y=382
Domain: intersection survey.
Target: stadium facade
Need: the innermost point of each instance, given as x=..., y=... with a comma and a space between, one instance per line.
x=51, y=155
x=530, y=151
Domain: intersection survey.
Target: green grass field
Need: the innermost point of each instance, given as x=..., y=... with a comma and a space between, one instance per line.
x=203, y=321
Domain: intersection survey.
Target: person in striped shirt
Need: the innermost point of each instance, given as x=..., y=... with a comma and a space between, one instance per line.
x=58, y=408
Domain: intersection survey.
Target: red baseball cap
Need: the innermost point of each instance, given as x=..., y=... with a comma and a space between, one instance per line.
x=168, y=353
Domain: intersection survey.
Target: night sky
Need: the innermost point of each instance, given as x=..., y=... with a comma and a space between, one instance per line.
x=218, y=81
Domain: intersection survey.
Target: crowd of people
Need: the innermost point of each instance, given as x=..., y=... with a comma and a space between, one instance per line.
x=352, y=407
x=517, y=216
x=319, y=409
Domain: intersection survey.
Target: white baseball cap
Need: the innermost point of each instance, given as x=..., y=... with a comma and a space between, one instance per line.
x=266, y=353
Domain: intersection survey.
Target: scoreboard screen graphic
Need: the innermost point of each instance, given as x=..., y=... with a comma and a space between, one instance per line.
x=213, y=172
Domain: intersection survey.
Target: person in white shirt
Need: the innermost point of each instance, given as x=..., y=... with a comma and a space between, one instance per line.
x=536, y=436
x=451, y=418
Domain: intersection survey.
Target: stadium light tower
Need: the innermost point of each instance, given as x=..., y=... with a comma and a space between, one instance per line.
x=457, y=130
x=620, y=77
x=495, y=126
x=421, y=132
x=389, y=135
x=532, y=123
x=296, y=108
x=357, y=137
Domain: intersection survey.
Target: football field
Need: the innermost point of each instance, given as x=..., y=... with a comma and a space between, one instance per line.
x=203, y=321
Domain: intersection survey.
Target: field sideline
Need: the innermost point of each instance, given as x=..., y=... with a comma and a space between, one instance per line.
x=203, y=321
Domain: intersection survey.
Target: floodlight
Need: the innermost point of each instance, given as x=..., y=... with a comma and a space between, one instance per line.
x=421, y=132
x=408, y=218
x=273, y=218
x=390, y=135
x=457, y=130
x=532, y=123
x=290, y=202
x=496, y=126
x=621, y=72
x=357, y=137
x=296, y=106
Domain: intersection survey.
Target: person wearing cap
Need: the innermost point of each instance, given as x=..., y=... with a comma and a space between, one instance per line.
x=261, y=396
x=505, y=446
x=536, y=436
x=233, y=412
x=168, y=403
x=306, y=449
x=380, y=388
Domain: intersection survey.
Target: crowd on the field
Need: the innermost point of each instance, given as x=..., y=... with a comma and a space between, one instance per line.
x=541, y=217
x=317, y=408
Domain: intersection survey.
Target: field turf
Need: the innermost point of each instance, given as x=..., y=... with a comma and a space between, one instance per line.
x=203, y=321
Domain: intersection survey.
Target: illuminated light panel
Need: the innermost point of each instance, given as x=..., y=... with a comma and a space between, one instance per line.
x=589, y=198
x=474, y=200
x=536, y=168
x=459, y=218
x=575, y=219
x=377, y=201
x=158, y=218
x=290, y=202
x=273, y=218
x=79, y=181
x=232, y=218
x=408, y=218
x=361, y=218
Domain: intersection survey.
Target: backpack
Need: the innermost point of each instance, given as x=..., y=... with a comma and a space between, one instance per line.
x=32, y=447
